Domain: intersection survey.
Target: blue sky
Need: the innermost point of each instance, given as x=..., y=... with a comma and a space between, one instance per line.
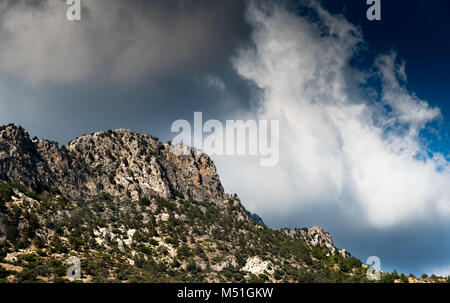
x=420, y=32
x=163, y=60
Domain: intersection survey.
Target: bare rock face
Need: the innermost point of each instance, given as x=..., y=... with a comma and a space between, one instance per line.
x=20, y=161
x=316, y=236
x=257, y=266
x=194, y=175
x=120, y=163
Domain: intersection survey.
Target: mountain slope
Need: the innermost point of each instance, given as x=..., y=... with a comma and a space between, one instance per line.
x=133, y=210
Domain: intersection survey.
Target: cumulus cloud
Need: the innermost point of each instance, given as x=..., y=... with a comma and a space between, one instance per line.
x=339, y=148
x=119, y=40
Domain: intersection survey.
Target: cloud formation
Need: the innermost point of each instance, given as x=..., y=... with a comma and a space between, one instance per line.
x=118, y=40
x=340, y=148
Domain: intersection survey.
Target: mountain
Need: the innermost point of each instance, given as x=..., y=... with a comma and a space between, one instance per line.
x=255, y=217
x=132, y=209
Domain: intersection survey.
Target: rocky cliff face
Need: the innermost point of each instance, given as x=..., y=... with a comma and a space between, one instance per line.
x=316, y=236
x=20, y=161
x=121, y=163
x=133, y=209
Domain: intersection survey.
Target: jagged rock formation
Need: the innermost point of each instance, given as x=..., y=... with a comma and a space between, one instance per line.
x=133, y=209
x=121, y=163
x=20, y=160
x=316, y=236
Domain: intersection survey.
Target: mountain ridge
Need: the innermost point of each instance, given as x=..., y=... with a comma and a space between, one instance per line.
x=132, y=209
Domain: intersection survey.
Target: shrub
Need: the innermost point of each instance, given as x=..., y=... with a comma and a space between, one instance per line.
x=27, y=275
x=41, y=253
x=6, y=193
x=29, y=257
x=264, y=277
x=191, y=267
x=116, y=231
x=98, y=208
x=178, y=194
x=105, y=196
x=144, y=249
x=4, y=272
x=172, y=241
x=153, y=242
x=124, y=273
x=183, y=251
x=144, y=201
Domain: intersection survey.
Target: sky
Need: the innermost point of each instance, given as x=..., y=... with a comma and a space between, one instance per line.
x=363, y=105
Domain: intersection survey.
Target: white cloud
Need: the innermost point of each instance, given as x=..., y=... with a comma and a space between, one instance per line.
x=406, y=107
x=336, y=148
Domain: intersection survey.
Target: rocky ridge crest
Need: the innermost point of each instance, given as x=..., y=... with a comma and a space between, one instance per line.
x=121, y=163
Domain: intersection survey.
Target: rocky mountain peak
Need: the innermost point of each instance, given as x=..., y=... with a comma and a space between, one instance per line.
x=20, y=160
x=15, y=140
x=121, y=163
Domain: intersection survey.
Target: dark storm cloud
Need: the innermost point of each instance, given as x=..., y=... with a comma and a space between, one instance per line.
x=63, y=112
x=118, y=40
x=132, y=64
